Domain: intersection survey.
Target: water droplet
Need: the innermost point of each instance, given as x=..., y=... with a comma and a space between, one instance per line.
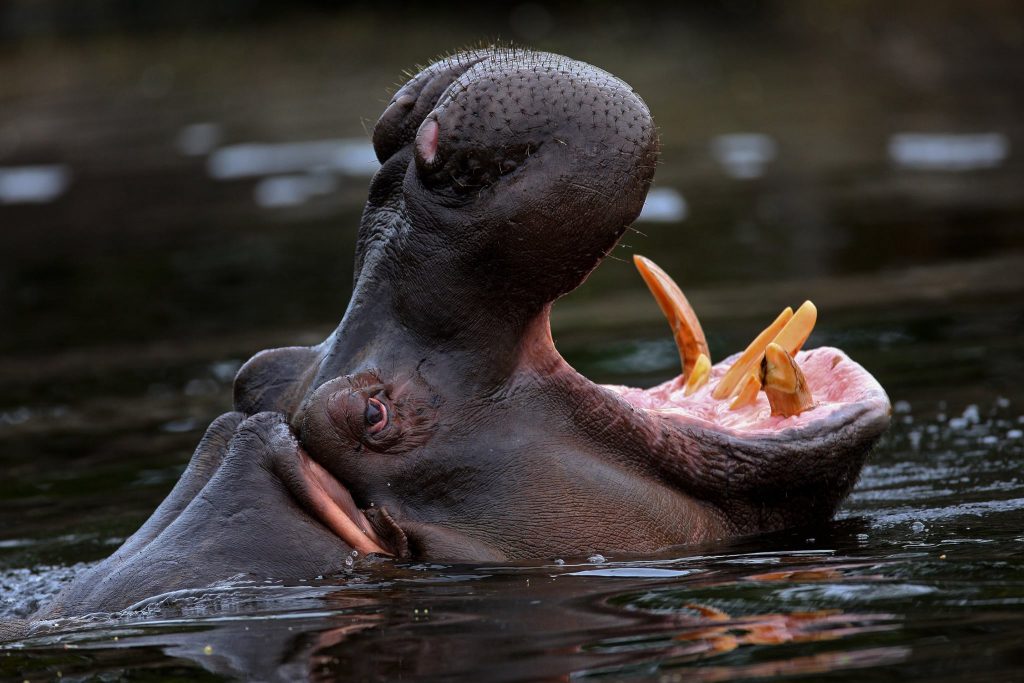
x=918, y=527
x=559, y=562
x=596, y=558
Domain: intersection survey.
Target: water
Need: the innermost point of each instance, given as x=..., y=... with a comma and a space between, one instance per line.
x=880, y=178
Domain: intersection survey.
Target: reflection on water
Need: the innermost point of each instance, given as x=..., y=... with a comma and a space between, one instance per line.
x=33, y=184
x=744, y=155
x=934, y=152
x=168, y=219
x=354, y=157
x=199, y=139
x=686, y=615
x=663, y=205
x=292, y=190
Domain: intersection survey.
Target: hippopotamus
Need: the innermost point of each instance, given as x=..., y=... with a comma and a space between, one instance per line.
x=438, y=421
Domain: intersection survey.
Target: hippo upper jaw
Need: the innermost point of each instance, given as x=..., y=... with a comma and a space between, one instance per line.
x=537, y=165
x=750, y=470
x=766, y=471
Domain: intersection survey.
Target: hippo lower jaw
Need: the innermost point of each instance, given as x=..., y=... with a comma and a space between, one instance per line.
x=743, y=460
x=732, y=431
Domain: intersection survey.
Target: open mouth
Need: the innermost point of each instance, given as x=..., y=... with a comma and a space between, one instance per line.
x=771, y=386
x=771, y=391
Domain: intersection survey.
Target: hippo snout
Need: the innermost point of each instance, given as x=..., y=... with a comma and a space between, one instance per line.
x=478, y=116
x=509, y=171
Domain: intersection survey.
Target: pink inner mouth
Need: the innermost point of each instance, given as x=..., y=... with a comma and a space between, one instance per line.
x=835, y=381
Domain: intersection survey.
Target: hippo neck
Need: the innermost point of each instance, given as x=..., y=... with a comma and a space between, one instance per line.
x=385, y=329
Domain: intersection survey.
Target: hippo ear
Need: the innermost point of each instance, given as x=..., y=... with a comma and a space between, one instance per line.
x=275, y=380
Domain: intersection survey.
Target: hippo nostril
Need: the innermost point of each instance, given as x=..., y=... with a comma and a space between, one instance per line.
x=426, y=140
x=400, y=105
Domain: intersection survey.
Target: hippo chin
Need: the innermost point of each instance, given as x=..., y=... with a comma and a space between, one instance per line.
x=438, y=421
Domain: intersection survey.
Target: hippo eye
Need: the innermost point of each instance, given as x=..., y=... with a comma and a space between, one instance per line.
x=376, y=416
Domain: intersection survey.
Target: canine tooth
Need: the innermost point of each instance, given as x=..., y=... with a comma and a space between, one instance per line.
x=750, y=357
x=777, y=370
x=747, y=393
x=699, y=375
x=684, y=323
x=784, y=382
x=796, y=331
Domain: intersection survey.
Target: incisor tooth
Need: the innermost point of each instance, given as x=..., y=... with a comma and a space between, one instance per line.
x=699, y=376
x=750, y=357
x=798, y=329
x=784, y=382
x=747, y=393
x=684, y=323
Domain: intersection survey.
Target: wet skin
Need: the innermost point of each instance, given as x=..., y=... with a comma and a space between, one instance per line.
x=438, y=420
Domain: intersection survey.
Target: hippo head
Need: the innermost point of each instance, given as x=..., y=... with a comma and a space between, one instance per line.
x=440, y=408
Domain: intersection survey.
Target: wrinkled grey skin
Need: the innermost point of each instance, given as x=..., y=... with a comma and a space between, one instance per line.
x=494, y=448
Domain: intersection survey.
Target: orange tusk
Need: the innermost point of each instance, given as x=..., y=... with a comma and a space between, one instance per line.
x=798, y=329
x=784, y=383
x=684, y=323
x=699, y=376
x=747, y=393
x=750, y=357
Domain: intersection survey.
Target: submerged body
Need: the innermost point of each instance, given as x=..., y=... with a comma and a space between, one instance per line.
x=438, y=420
